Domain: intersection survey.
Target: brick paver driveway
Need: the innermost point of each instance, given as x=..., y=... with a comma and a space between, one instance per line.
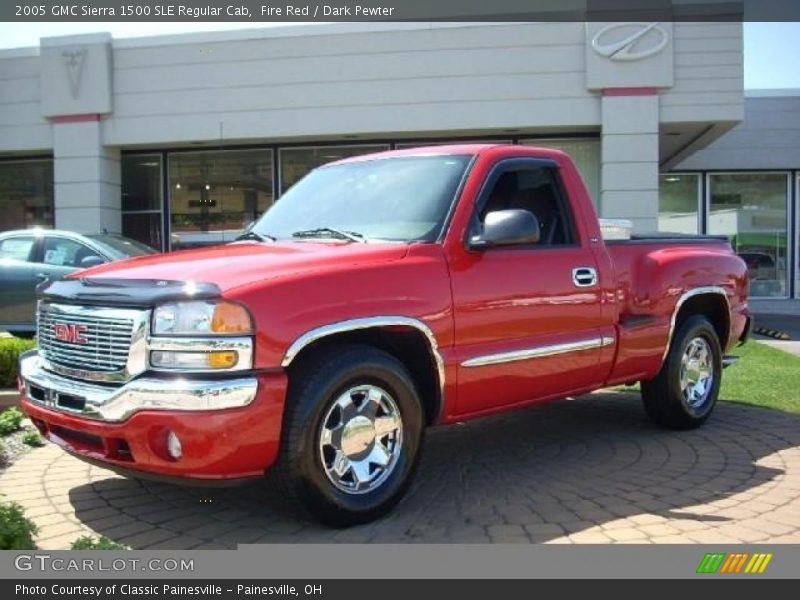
x=586, y=470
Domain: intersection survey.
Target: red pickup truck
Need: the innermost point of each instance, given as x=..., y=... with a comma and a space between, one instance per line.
x=380, y=295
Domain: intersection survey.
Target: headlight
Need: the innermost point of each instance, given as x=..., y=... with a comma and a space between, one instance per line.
x=201, y=318
x=201, y=336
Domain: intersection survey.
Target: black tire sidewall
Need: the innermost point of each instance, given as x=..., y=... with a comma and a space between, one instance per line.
x=693, y=327
x=357, y=367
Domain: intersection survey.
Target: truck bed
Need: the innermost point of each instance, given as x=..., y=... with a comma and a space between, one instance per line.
x=651, y=273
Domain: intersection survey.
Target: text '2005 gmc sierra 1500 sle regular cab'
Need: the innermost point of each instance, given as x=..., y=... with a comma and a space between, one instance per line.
x=380, y=295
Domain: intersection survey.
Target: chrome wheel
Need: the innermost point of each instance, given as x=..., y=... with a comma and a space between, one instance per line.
x=360, y=439
x=697, y=372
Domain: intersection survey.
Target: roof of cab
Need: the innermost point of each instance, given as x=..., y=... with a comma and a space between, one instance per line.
x=451, y=149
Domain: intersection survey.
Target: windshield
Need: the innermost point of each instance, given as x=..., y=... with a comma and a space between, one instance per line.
x=120, y=246
x=397, y=199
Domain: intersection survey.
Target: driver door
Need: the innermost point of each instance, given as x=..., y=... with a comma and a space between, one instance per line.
x=527, y=323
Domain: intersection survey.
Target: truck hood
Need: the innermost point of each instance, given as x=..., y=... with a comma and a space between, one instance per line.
x=243, y=263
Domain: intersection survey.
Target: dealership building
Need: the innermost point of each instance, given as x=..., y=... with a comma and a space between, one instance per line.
x=184, y=140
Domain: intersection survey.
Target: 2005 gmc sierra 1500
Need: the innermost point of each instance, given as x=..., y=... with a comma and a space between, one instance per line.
x=380, y=295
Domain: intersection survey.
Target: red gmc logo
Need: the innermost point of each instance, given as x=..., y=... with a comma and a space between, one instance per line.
x=70, y=333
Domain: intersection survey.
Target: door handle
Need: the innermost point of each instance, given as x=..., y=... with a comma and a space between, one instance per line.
x=584, y=276
x=42, y=276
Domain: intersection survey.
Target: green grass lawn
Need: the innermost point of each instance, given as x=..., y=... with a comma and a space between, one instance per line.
x=763, y=377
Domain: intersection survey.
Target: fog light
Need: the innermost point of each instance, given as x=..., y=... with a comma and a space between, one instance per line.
x=174, y=445
x=189, y=361
x=222, y=360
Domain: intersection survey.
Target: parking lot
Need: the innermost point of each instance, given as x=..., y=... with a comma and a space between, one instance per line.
x=591, y=470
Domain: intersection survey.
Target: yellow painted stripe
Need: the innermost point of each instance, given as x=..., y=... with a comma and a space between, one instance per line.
x=741, y=562
x=757, y=564
x=751, y=563
x=767, y=558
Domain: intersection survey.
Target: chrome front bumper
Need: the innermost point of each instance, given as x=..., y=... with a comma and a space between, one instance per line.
x=105, y=403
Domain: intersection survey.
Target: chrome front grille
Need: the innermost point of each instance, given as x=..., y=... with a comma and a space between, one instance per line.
x=89, y=342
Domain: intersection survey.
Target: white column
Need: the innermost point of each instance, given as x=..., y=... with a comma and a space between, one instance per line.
x=76, y=85
x=629, y=180
x=86, y=178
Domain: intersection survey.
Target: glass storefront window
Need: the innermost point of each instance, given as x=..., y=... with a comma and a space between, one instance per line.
x=585, y=153
x=751, y=209
x=26, y=194
x=215, y=195
x=797, y=236
x=142, y=199
x=296, y=162
x=678, y=200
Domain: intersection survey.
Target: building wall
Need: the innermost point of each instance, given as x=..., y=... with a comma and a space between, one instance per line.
x=22, y=128
x=389, y=81
x=708, y=74
x=768, y=138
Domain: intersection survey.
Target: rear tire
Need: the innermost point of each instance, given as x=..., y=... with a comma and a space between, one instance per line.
x=684, y=393
x=353, y=430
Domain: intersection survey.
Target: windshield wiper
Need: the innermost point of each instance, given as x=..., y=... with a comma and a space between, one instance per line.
x=353, y=236
x=252, y=235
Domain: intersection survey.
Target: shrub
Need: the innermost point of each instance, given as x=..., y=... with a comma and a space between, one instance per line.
x=33, y=439
x=10, y=349
x=10, y=420
x=89, y=542
x=16, y=531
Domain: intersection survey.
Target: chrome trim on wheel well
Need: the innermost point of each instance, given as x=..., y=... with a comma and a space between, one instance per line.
x=377, y=322
x=687, y=295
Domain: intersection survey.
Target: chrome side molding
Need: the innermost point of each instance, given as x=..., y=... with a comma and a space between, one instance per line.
x=539, y=352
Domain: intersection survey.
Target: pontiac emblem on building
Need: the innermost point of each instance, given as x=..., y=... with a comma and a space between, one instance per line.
x=630, y=41
x=73, y=60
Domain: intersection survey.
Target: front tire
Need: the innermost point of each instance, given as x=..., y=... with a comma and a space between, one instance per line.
x=685, y=391
x=352, y=434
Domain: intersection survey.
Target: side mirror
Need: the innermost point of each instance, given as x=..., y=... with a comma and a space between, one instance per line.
x=91, y=261
x=508, y=228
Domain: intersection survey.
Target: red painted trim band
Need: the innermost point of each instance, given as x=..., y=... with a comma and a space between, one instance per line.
x=630, y=91
x=76, y=118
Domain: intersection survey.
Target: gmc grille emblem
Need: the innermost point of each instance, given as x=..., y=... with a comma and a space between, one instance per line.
x=70, y=333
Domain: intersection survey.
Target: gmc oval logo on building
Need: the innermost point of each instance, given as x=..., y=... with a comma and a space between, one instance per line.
x=70, y=333
x=629, y=41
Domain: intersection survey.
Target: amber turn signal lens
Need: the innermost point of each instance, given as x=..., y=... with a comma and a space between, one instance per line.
x=231, y=318
x=222, y=360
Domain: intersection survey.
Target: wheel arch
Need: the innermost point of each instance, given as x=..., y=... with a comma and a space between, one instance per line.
x=709, y=301
x=408, y=339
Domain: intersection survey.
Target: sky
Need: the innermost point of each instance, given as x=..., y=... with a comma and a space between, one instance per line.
x=771, y=50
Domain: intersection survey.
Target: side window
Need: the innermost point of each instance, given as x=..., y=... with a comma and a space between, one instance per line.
x=17, y=248
x=535, y=189
x=63, y=252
